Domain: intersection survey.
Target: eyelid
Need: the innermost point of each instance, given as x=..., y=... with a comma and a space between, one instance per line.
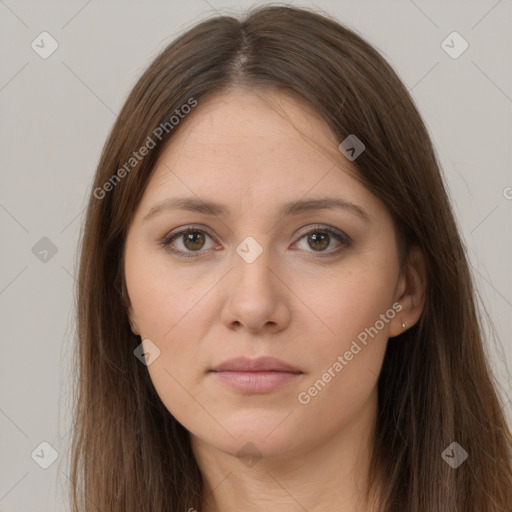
x=184, y=229
x=168, y=239
x=325, y=227
x=341, y=236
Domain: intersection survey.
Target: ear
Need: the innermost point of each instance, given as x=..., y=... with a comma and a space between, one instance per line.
x=133, y=322
x=129, y=311
x=410, y=292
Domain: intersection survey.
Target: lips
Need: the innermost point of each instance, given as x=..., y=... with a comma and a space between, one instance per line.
x=260, y=364
x=256, y=376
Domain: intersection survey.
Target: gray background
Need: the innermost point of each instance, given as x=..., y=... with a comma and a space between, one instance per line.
x=57, y=112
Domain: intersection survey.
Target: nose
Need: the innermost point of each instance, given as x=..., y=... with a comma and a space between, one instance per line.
x=257, y=296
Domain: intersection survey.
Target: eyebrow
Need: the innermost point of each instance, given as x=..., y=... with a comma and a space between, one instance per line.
x=207, y=207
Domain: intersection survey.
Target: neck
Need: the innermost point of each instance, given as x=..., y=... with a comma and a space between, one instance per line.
x=330, y=476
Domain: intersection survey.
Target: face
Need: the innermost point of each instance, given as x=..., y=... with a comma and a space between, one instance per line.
x=315, y=287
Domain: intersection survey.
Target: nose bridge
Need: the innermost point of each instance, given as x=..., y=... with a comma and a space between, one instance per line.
x=253, y=262
x=254, y=299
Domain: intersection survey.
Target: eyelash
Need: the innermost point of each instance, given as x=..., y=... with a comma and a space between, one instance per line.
x=344, y=239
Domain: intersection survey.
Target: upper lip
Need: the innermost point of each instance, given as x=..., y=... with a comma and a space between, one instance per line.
x=260, y=364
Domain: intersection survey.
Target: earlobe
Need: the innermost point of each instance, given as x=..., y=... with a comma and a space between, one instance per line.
x=399, y=325
x=133, y=324
x=129, y=312
x=411, y=293
x=134, y=327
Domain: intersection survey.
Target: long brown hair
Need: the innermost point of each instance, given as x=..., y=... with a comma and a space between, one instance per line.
x=436, y=388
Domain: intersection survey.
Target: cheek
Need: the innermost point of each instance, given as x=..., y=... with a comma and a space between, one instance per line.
x=172, y=307
x=167, y=306
x=161, y=294
x=356, y=309
x=351, y=301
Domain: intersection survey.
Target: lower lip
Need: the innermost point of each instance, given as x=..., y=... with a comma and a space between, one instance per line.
x=256, y=382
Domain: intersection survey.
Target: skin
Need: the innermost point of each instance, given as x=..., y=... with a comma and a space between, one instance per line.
x=290, y=302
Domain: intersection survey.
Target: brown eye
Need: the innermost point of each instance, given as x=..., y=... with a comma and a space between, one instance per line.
x=193, y=240
x=186, y=242
x=318, y=241
x=190, y=242
x=320, y=238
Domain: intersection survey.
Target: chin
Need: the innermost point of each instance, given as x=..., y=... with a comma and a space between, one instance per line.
x=253, y=436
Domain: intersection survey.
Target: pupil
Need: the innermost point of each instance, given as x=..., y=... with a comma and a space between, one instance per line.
x=323, y=237
x=190, y=239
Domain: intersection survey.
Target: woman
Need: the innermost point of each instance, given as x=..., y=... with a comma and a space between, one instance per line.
x=275, y=310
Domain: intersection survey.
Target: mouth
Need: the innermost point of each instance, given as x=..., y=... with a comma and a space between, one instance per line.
x=260, y=375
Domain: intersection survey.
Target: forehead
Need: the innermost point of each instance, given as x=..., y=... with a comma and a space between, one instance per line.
x=241, y=124
x=253, y=149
